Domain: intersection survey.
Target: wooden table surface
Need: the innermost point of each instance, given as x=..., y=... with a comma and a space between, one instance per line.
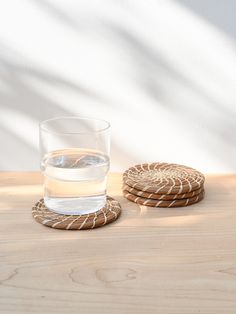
x=151, y=260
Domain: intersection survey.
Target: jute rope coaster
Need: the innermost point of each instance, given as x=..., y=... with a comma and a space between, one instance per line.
x=106, y=215
x=163, y=178
x=166, y=197
x=161, y=203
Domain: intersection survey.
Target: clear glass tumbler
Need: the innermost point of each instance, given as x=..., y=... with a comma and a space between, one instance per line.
x=75, y=162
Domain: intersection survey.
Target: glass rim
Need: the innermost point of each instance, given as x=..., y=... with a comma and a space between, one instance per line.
x=43, y=128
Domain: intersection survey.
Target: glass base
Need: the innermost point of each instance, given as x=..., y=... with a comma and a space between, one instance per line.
x=75, y=205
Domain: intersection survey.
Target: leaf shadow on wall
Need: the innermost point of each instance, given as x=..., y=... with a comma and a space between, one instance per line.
x=210, y=120
x=22, y=99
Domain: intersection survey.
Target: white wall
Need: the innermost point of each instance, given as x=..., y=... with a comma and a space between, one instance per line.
x=162, y=72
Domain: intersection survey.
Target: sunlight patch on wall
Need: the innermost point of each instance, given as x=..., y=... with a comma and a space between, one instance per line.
x=21, y=125
x=162, y=75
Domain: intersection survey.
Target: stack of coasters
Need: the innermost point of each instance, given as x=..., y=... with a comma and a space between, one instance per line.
x=163, y=185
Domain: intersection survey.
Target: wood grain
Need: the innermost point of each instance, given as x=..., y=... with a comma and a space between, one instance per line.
x=151, y=260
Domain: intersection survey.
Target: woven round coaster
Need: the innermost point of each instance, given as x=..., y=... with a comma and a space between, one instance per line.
x=163, y=178
x=161, y=203
x=165, y=197
x=106, y=215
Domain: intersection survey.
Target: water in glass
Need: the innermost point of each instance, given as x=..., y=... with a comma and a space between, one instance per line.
x=75, y=180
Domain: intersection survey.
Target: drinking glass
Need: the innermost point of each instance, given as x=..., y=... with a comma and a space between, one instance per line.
x=75, y=162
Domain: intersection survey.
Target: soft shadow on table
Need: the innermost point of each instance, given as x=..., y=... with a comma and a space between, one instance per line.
x=213, y=204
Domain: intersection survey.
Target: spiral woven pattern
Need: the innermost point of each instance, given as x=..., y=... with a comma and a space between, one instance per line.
x=161, y=203
x=163, y=178
x=164, y=197
x=107, y=214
